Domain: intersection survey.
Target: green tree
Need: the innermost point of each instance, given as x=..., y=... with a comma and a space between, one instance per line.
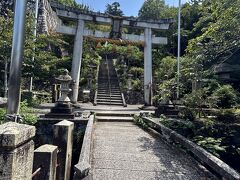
x=114, y=9
x=6, y=24
x=73, y=3
x=152, y=9
x=219, y=32
x=225, y=97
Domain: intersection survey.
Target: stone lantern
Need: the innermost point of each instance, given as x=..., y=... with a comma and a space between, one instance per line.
x=125, y=69
x=89, y=80
x=130, y=81
x=65, y=81
x=63, y=107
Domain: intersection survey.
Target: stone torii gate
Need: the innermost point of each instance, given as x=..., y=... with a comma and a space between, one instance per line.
x=51, y=20
x=79, y=31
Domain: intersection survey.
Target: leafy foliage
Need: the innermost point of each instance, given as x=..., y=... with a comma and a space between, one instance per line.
x=2, y=115
x=225, y=96
x=114, y=9
x=188, y=114
x=140, y=122
x=72, y=3
x=152, y=9
x=27, y=113
x=213, y=145
x=219, y=27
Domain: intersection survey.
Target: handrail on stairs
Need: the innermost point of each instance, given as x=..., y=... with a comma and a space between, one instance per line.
x=95, y=98
x=123, y=98
x=96, y=91
x=109, y=85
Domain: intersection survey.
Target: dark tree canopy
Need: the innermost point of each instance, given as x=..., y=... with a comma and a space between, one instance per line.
x=114, y=9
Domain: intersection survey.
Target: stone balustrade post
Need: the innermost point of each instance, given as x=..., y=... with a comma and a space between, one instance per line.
x=16, y=151
x=45, y=157
x=63, y=138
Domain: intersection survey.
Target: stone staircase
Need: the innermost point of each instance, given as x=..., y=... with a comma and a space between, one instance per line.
x=114, y=116
x=108, y=92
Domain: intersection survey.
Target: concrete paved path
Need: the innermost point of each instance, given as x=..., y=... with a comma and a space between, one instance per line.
x=124, y=151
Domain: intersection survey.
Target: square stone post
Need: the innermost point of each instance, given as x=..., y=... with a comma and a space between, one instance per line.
x=16, y=151
x=45, y=157
x=77, y=58
x=148, y=67
x=63, y=138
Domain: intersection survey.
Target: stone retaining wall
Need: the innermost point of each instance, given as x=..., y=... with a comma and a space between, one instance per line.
x=47, y=19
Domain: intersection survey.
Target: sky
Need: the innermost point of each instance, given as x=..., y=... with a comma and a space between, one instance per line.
x=129, y=7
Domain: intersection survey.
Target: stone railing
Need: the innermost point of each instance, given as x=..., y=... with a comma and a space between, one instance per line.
x=19, y=160
x=83, y=166
x=216, y=165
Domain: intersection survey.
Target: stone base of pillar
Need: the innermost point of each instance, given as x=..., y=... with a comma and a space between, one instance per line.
x=61, y=110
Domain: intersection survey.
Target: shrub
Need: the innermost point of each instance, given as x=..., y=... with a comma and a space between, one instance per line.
x=185, y=128
x=188, y=114
x=140, y=122
x=213, y=145
x=226, y=115
x=166, y=91
x=29, y=119
x=28, y=96
x=225, y=97
x=27, y=113
x=195, y=99
x=2, y=115
x=137, y=85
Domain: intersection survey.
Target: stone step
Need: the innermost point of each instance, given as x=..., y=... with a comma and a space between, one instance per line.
x=109, y=100
x=108, y=97
x=107, y=88
x=114, y=119
x=107, y=85
x=112, y=94
x=108, y=103
x=108, y=94
x=112, y=90
x=117, y=114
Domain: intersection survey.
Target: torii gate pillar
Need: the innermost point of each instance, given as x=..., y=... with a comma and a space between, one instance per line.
x=77, y=59
x=148, y=67
x=14, y=94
